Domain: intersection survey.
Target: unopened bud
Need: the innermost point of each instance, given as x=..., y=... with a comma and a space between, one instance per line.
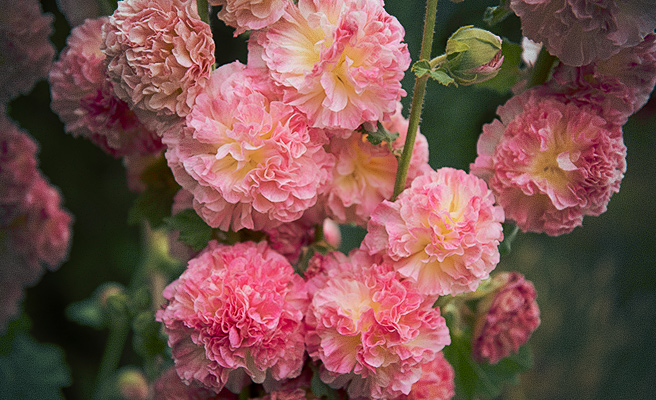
x=132, y=384
x=473, y=55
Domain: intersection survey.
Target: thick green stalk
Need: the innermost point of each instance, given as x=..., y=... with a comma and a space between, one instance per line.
x=417, y=100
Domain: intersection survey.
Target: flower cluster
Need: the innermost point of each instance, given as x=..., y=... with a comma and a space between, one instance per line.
x=34, y=230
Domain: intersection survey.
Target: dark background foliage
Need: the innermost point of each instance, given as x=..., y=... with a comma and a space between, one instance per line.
x=596, y=286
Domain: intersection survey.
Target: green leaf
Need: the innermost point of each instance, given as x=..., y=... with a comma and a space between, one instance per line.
x=494, y=15
x=443, y=77
x=33, y=370
x=154, y=204
x=380, y=135
x=148, y=340
x=482, y=380
x=193, y=230
x=509, y=234
x=320, y=389
x=509, y=73
x=421, y=68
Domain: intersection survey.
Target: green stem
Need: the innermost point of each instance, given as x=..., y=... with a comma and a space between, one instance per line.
x=417, y=99
x=118, y=334
x=541, y=69
x=203, y=11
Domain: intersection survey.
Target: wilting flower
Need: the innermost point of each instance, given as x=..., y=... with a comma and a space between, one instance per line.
x=442, y=232
x=84, y=100
x=618, y=86
x=506, y=318
x=34, y=229
x=236, y=310
x=580, y=32
x=246, y=15
x=550, y=163
x=340, y=62
x=249, y=159
x=371, y=331
x=159, y=55
x=25, y=51
x=364, y=173
x=436, y=382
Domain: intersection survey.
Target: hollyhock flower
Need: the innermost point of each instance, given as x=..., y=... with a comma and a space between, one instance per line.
x=25, y=48
x=436, y=382
x=371, y=331
x=618, y=86
x=250, y=14
x=340, y=62
x=34, y=230
x=249, y=159
x=237, y=310
x=169, y=386
x=364, y=173
x=506, y=318
x=550, y=163
x=84, y=100
x=442, y=232
x=580, y=32
x=159, y=55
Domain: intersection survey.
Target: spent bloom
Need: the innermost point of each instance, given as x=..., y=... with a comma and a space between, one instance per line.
x=84, y=100
x=249, y=159
x=26, y=53
x=580, y=32
x=371, y=331
x=550, y=163
x=618, y=86
x=246, y=15
x=364, y=173
x=506, y=318
x=442, y=232
x=339, y=61
x=159, y=55
x=235, y=311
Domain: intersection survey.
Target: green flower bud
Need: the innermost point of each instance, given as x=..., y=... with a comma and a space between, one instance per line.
x=473, y=55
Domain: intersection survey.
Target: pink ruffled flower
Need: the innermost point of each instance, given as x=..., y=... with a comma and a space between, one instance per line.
x=371, y=331
x=340, y=62
x=249, y=159
x=618, y=86
x=26, y=51
x=159, y=56
x=550, y=163
x=442, y=233
x=580, y=32
x=436, y=382
x=246, y=15
x=364, y=173
x=169, y=386
x=84, y=100
x=507, y=318
x=236, y=310
x=34, y=229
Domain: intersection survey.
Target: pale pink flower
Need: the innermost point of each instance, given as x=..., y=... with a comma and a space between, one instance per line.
x=371, y=331
x=436, y=382
x=24, y=45
x=580, y=32
x=246, y=15
x=249, y=159
x=169, y=386
x=618, y=86
x=83, y=97
x=236, y=310
x=364, y=174
x=340, y=62
x=35, y=231
x=550, y=163
x=159, y=55
x=506, y=318
x=442, y=232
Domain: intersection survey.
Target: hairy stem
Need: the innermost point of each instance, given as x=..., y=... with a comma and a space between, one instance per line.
x=417, y=100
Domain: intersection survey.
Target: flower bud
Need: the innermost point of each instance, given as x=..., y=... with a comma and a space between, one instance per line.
x=473, y=55
x=132, y=384
x=506, y=317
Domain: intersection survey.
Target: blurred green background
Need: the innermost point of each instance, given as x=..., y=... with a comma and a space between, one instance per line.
x=596, y=286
